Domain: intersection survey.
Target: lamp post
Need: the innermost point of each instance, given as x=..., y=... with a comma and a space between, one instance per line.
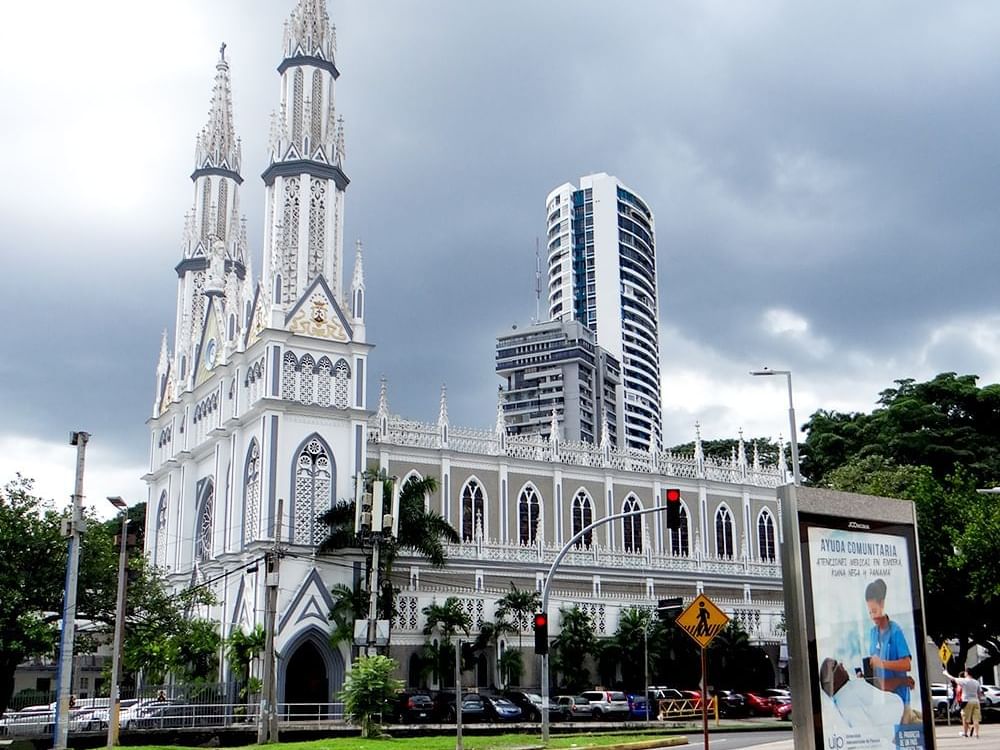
x=114, y=709
x=989, y=491
x=792, y=427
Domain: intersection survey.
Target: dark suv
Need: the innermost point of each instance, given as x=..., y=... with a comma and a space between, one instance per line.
x=529, y=703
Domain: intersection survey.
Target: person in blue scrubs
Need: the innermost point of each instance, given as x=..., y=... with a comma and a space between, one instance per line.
x=890, y=656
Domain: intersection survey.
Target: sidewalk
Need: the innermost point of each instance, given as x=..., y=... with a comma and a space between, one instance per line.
x=945, y=737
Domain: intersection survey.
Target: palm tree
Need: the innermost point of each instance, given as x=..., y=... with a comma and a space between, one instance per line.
x=630, y=639
x=349, y=604
x=517, y=605
x=575, y=642
x=420, y=530
x=446, y=619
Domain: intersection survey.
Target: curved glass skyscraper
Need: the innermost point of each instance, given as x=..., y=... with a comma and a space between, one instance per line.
x=602, y=272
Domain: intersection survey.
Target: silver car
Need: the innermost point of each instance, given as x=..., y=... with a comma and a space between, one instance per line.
x=607, y=704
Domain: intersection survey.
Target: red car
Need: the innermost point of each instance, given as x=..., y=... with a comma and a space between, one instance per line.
x=782, y=709
x=759, y=705
x=694, y=696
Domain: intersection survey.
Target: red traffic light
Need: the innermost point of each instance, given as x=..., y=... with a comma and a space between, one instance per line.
x=673, y=495
x=541, y=620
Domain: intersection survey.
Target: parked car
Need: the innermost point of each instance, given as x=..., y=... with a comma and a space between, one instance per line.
x=991, y=696
x=413, y=708
x=782, y=709
x=500, y=709
x=694, y=696
x=731, y=704
x=473, y=708
x=30, y=720
x=943, y=697
x=154, y=715
x=573, y=708
x=530, y=704
x=758, y=704
x=607, y=704
x=638, y=706
x=665, y=702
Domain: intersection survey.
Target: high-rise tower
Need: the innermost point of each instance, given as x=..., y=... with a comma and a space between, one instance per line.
x=602, y=272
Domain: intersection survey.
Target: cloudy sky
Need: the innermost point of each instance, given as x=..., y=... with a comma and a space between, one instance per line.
x=824, y=178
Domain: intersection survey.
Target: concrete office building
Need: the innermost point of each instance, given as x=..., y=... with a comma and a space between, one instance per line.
x=602, y=272
x=555, y=371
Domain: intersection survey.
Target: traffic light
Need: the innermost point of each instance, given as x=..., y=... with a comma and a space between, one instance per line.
x=541, y=633
x=673, y=509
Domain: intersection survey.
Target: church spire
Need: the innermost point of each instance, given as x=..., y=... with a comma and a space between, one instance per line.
x=309, y=33
x=217, y=145
x=304, y=180
x=214, y=248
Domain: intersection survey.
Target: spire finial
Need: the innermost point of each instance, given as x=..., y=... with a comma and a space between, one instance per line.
x=443, y=407
x=222, y=52
x=501, y=426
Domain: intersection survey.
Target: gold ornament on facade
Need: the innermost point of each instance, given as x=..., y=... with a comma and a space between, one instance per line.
x=318, y=321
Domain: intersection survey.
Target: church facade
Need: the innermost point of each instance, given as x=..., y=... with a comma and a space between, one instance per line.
x=261, y=422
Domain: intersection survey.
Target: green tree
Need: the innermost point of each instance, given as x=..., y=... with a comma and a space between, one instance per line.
x=446, y=620
x=946, y=422
x=632, y=647
x=421, y=531
x=241, y=649
x=517, y=606
x=367, y=689
x=349, y=604
x=576, y=641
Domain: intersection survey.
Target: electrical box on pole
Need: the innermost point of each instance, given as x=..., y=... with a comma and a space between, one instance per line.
x=673, y=509
x=541, y=633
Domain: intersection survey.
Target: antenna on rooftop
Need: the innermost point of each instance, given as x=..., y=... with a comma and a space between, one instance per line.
x=538, y=283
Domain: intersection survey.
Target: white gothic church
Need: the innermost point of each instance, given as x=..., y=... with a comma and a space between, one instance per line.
x=262, y=403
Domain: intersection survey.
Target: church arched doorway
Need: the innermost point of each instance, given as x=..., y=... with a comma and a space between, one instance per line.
x=310, y=677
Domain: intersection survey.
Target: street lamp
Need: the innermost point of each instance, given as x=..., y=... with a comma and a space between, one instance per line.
x=990, y=491
x=114, y=709
x=793, y=429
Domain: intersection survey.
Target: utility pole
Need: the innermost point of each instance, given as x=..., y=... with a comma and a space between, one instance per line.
x=374, y=521
x=458, y=696
x=114, y=710
x=267, y=728
x=73, y=529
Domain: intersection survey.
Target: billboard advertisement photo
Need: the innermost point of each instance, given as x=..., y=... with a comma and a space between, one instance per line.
x=865, y=634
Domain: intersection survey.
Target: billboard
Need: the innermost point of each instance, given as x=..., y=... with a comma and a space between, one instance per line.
x=864, y=634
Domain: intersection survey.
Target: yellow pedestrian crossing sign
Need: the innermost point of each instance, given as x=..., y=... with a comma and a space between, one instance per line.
x=945, y=653
x=702, y=620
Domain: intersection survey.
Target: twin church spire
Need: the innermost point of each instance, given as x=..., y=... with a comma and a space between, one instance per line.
x=304, y=209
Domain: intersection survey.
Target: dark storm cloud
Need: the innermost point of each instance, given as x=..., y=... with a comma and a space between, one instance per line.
x=836, y=161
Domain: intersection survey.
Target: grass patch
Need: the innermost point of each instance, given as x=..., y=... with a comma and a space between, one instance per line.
x=447, y=742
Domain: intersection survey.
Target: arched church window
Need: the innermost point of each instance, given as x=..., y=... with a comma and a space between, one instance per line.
x=631, y=526
x=206, y=521
x=288, y=376
x=297, y=86
x=206, y=208
x=251, y=489
x=473, y=510
x=220, y=210
x=583, y=515
x=314, y=485
x=679, y=538
x=161, y=530
x=341, y=385
x=306, y=368
x=323, y=370
x=724, y=534
x=765, y=536
x=316, y=105
x=528, y=515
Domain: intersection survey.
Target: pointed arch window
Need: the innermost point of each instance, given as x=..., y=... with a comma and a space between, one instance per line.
x=297, y=96
x=724, y=535
x=528, y=514
x=583, y=516
x=288, y=376
x=251, y=489
x=161, y=530
x=341, y=384
x=679, y=538
x=316, y=110
x=414, y=476
x=473, y=510
x=323, y=370
x=220, y=210
x=306, y=368
x=631, y=526
x=765, y=536
x=206, y=521
x=313, y=490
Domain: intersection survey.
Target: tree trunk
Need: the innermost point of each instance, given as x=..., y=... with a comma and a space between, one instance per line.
x=8, y=665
